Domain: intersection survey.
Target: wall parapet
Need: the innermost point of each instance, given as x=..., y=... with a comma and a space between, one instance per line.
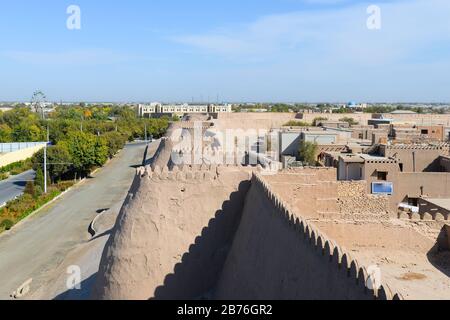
x=194, y=173
x=325, y=247
x=443, y=146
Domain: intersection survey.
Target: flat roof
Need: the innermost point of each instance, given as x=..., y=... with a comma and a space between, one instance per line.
x=374, y=158
x=443, y=203
x=323, y=133
x=351, y=158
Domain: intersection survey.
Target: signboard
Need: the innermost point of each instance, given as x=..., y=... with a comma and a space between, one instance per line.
x=386, y=188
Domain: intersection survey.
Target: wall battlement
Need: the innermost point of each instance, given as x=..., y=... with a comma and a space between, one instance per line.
x=157, y=173
x=443, y=146
x=328, y=249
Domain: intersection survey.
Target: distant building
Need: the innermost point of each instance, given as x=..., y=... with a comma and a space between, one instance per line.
x=377, y=122
x=289, y=140
x=156, y=108
x=354, y=105
x=403, y=112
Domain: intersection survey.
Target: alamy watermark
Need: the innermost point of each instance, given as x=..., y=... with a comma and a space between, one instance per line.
x=74, y=20
x=73, y=281
x=374, y=277
x=198, y=145
x=374, y=19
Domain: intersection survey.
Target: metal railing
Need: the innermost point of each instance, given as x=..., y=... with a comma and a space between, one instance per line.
x=16, y=146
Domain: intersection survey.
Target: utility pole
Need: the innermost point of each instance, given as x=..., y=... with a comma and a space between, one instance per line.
x=45, y=160
x=45, y=169
x=146, y=140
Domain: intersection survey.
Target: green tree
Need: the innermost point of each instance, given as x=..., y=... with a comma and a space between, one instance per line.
x=115, y=142
x=87, y=151
x=350, y=121
x=39, y=179
x=58, y=161
x=5, y=133
x=26, y=131
x=308, y=152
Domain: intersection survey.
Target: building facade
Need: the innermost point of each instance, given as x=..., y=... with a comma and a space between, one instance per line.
x=156, y=108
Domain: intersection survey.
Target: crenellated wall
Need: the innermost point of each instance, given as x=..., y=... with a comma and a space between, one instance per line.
x=277, y=255
x=212, y=232
x=173, y=233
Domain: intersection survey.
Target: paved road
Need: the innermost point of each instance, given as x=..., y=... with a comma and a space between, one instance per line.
x=40, y=244
x=14, y=186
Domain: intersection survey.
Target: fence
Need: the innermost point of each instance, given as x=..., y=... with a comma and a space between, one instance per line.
x=17, y=146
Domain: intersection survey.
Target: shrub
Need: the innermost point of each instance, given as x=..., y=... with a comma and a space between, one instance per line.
x=29, y=188
x=308, y=151
x=64, y=185
x=297, y=124
x=318, y=120
x=6, y=224
x=350, y=121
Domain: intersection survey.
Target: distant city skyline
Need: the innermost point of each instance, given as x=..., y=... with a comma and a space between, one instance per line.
x=244, y=51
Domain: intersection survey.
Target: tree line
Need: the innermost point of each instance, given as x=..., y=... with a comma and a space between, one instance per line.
x=81, y=137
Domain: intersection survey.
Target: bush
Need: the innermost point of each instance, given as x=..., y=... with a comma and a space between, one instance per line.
x=318, y=120
x=17, y=167
x=29, y=188
x=308, y=151
x=297, y=124
x=6, y=224
x=64, y=185
x=350, y=121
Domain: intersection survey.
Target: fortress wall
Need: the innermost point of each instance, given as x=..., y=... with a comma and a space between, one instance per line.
x=273, y=120
x=311, y=191
x=173, y=235
x=361, y=118
x=162, y=154
x=277, y=255
x=257, y=121
x=442, y=119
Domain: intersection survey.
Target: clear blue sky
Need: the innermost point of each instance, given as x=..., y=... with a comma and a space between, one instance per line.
x=242, y=50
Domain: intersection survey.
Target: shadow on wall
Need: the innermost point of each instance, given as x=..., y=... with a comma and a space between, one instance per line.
x=435, y=166
x=439, y=255
x=79, y=295
x=197, y=275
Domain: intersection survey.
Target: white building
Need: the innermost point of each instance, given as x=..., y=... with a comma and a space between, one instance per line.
x=354, y=105
x=159, y=108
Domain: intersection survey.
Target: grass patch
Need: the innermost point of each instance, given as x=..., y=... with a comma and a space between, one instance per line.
x=15, y=168
x=22, y=207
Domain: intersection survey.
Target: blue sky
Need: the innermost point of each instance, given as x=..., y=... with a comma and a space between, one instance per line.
x=241, y=50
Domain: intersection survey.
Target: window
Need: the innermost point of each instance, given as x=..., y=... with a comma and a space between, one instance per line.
x=401, y=167
x=381, y=175
x=424, y=131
